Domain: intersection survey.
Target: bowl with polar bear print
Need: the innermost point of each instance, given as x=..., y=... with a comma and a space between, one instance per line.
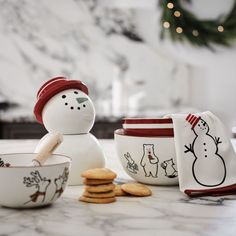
x=146, y=150
x=25, y=186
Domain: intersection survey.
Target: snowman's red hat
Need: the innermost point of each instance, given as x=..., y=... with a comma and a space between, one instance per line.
x=51, y=88
x=193, y=120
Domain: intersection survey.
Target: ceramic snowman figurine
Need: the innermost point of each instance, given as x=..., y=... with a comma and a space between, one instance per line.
x=63, y=106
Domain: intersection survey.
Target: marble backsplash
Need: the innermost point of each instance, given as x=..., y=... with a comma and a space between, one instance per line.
x=92, y=42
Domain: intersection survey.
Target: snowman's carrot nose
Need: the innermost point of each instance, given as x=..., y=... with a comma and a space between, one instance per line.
x=81, y=100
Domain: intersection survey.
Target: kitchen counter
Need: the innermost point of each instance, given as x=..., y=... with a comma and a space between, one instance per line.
x=166, y=212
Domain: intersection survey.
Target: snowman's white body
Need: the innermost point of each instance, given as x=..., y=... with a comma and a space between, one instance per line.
x=208, y=167
x=85, y=151
x=71, y=113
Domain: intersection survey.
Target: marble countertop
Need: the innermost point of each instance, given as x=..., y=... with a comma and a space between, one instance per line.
x=166, y=212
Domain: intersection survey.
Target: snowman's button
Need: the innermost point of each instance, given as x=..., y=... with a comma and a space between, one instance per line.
x=205, y=150
x=205, y=155
x=204, y=143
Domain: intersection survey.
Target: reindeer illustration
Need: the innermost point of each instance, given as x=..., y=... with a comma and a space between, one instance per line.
x=41, y=185
x=60, y=183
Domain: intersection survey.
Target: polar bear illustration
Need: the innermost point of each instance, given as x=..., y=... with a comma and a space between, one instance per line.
x=149, y=161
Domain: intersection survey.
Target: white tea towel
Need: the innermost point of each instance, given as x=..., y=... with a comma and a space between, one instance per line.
x=205, y=156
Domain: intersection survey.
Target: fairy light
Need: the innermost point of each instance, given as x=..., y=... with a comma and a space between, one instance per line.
x=170, y=5
x=179, y=30
x=220, y=28
x=166, y=24
x=195, y=33
x=177, y=14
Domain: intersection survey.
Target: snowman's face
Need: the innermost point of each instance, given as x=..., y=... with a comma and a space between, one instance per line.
x=69, y=112
x=201, y=127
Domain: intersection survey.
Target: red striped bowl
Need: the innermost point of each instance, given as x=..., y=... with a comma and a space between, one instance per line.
x=148, y=127
x=146, y=150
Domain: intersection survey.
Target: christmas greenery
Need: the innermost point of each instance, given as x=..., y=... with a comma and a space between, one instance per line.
x=180, y=24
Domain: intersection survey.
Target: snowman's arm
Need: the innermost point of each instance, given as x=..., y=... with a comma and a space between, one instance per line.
x=188, y=149
x=217, y=141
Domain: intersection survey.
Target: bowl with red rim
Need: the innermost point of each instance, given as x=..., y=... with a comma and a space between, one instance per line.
x=145, y=147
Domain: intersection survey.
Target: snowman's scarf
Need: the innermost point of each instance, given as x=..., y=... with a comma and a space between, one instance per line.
x=205, y=157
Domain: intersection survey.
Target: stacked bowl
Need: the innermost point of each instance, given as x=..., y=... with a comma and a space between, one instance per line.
x=145, y=147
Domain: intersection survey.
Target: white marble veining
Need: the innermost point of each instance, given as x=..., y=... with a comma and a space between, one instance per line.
x=167, y=212
x=85, y=40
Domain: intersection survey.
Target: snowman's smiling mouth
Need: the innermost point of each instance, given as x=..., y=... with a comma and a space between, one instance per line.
x=80, y=100
x=75, y=107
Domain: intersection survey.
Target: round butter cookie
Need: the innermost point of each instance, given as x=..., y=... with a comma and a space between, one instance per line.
x=136, y=189
x=97, y=200
x=99, y=195
x=100, y=188
x=97, y=181
x=119, y=192
x=99, y=173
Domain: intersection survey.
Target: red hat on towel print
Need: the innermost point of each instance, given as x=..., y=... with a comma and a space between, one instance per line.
x=51, y=88
x=193, y=120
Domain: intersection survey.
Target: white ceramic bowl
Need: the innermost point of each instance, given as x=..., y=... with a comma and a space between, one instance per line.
x=24, y=186
x=147, y=153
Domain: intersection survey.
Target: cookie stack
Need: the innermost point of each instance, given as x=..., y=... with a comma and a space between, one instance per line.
x=99, y=187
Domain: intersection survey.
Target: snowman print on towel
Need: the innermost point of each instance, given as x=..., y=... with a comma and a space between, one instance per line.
x=168, y=166
x=208, y=168
x=131, y=165
x=149, y=161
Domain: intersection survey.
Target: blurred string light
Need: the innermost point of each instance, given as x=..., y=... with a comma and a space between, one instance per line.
x=170, y=5
x=166, y=24
x=220, y=28
x=177, y=14
x=179, y=30
x=195, y=33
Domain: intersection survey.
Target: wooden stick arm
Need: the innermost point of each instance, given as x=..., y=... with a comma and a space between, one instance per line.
x=47, y=148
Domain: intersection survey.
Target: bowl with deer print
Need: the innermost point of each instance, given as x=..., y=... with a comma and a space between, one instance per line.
x=25, y=186
x=146, y=150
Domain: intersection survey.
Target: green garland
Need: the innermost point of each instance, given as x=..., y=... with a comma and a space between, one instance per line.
x=180, y=24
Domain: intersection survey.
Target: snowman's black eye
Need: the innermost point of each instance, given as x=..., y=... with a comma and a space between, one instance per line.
x=84, y=105
x=63, y=96
x=75, y=92
x=199, y=125
x=78, y=108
